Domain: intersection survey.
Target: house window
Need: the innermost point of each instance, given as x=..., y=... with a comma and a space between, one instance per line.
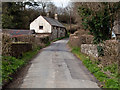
x=40, y=27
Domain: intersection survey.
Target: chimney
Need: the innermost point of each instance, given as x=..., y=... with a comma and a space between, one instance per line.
x=48, y=14
x=56, y=16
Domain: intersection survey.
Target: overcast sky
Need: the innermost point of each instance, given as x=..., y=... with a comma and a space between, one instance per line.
x=58, y=3
x=61, y=3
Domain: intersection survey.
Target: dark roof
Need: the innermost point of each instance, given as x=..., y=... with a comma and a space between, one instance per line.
x=17, y=33
x=53, y=22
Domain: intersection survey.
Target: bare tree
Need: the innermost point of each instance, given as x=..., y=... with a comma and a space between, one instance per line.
x=51, y=8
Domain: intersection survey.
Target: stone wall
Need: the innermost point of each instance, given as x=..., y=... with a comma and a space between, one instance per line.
x=62, y=32
x=116, y=27
x=42, y=40
x=18, y=45
x=17, y=49
x=54, y=33
x=110, y=48
x=111, y=52
x=74, y=41
x=80, y=37
x=89, y=49
x=57, y=33
x=6, y=44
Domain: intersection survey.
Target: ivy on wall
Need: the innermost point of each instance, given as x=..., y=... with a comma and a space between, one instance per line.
x=99, y=21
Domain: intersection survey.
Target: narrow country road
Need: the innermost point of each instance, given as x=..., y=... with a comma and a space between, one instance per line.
x=57, y=67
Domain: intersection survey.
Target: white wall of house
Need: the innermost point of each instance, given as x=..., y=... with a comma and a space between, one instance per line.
x=38, y=23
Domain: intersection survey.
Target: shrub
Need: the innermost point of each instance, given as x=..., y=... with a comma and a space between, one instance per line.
x=6, y=44
x=11, y=64
x=100, y=51
x=99, y=19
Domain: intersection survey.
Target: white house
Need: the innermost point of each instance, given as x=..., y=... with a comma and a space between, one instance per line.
x=46, y=25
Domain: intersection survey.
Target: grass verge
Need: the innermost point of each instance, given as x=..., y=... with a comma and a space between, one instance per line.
x=106, y=81
x=11, y=65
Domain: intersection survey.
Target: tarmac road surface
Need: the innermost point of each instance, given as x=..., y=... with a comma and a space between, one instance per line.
x=57, y=67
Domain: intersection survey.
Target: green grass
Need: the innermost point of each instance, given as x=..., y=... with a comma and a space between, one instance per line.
x=11, y=64
x=20, y=42
x=76, y=51
x=112, y=68
x=97, y=72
